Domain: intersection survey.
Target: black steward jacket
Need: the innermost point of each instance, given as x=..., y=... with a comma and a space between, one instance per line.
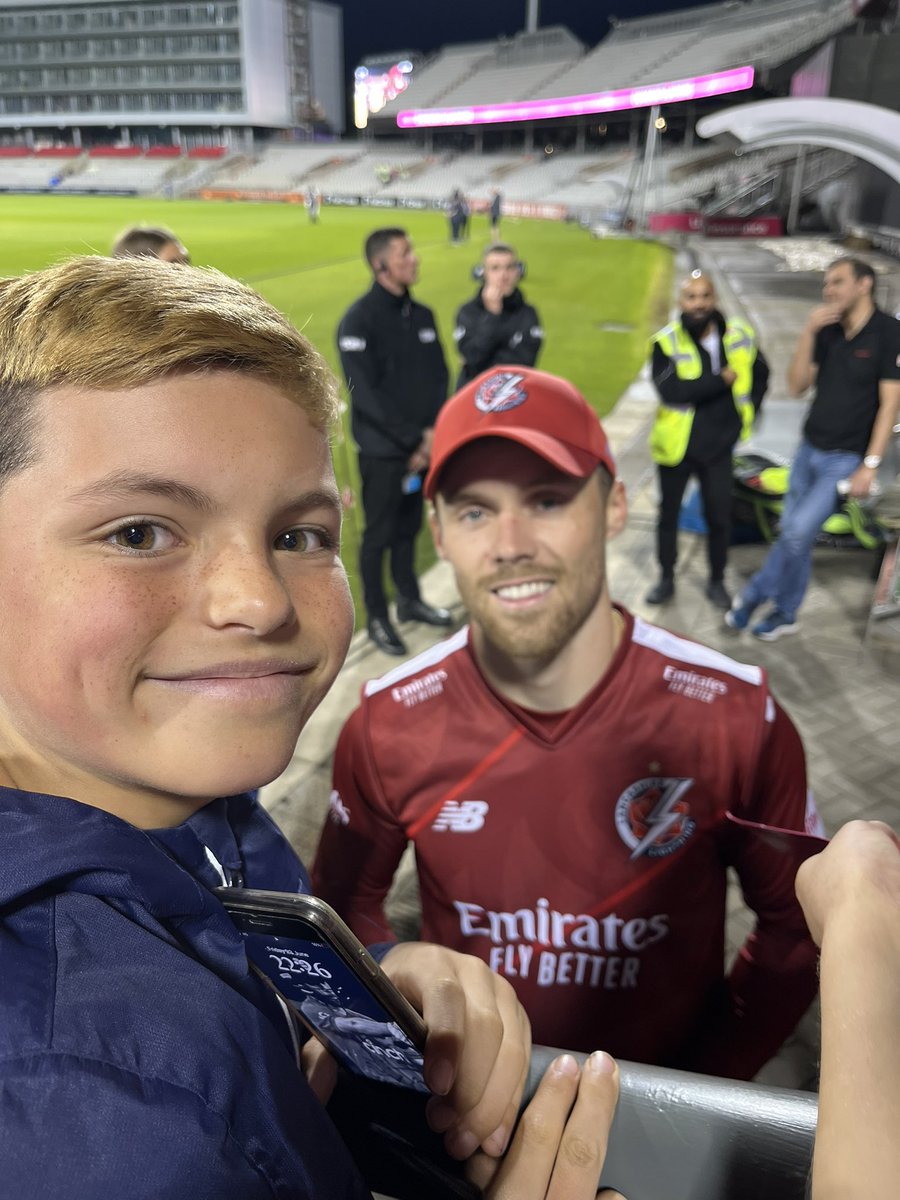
x=394, y=366
x=484, y=339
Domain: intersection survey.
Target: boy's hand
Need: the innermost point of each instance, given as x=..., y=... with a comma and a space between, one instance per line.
x=478, y=1048
x=860, y=864
x=560, y=1144
x=319, y=1068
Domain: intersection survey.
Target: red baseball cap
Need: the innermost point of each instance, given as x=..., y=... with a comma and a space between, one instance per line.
x=542, y=412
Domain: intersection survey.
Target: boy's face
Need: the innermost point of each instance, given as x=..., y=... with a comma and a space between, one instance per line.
x=173, y=606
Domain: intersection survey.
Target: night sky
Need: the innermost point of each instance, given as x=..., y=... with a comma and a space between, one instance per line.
x=375, y=26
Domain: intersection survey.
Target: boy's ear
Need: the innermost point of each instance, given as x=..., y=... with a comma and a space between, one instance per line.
x=616, y=510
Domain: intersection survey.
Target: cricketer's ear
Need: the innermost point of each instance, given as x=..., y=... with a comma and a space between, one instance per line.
x=434, y=524
x=616, y=510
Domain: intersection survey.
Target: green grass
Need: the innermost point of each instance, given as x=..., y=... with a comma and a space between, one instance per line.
x=312, y=273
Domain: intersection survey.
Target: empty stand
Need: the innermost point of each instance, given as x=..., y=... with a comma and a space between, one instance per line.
x=448, y=69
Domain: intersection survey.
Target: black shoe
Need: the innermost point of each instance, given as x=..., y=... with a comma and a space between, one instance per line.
x=418, y=610
x=715, y=591
x=663, y=591
x=384, y=635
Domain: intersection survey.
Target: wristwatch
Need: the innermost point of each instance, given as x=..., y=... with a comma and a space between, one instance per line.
x=872, y=461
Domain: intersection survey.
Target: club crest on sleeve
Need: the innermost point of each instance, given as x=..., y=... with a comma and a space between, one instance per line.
x=652, y=817
x=337, y=809
x=501, y=392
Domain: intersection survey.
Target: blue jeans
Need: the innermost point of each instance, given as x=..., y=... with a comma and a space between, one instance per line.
x=811, y=499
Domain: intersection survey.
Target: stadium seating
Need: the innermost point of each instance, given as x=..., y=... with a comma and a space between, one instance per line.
x=641, y=51
x=430, y=82
x=136, y=174
x=499, y=84
x=699, y=41
x=547, y=63
x=510, y=69
x=285, y=167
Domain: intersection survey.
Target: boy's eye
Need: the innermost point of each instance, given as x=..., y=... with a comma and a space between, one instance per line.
x=302, y=540
x=142, y=535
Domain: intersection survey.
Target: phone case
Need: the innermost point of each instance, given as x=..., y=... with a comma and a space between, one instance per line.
x=325, y=922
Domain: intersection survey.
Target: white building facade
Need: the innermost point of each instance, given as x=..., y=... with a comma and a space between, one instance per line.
x=199, y=71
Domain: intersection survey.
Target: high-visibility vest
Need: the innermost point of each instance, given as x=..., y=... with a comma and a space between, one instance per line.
x=672, y=428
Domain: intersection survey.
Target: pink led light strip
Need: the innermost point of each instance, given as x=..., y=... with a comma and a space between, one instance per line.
x=738, y=79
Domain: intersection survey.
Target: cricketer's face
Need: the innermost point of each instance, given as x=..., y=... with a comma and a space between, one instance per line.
x=528, y=546
x=173, y=604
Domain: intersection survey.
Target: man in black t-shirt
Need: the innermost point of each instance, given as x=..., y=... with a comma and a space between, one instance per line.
x=850, y=350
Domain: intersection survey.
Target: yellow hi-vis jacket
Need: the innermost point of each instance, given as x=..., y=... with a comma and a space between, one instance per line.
x=671, y=430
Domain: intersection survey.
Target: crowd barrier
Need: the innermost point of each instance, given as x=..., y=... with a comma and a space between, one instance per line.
x=675, y=1136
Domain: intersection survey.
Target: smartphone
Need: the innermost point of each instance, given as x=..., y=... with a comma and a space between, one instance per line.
x=335, y=987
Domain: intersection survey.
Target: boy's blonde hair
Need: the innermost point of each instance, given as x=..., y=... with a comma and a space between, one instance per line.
x=108, y=324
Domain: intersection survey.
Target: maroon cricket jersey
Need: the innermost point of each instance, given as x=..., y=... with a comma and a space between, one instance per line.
x=584, y=859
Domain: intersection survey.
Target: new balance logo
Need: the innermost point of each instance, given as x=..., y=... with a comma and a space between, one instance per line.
x=466, y=817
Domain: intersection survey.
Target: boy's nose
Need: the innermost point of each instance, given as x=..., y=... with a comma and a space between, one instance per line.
x=245, y=589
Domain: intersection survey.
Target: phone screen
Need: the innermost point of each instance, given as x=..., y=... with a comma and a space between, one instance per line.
x=331, y=1000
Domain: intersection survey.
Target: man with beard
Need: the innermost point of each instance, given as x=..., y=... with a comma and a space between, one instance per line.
x=711, y=378
x=574, y=780
x=850, y=351
x=497, y=327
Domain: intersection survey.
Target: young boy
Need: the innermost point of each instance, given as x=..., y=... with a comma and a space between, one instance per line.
x=173, y=607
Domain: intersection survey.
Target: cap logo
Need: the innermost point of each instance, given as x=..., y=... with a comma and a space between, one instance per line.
x=500, y=393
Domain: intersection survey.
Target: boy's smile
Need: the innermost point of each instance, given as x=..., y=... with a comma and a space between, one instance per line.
x=174, y=605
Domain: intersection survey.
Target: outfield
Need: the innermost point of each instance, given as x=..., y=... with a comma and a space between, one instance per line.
x=599, y=300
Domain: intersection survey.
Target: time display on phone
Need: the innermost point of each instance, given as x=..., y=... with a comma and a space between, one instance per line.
x=332, y=1002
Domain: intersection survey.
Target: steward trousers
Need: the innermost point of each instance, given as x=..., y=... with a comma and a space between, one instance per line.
x=714, y=478
x=393, y=521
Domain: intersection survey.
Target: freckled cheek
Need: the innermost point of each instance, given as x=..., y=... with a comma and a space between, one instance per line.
x=324, y=609
x=100, y=629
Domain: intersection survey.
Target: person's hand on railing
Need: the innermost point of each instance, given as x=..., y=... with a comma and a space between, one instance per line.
x=559, y=1147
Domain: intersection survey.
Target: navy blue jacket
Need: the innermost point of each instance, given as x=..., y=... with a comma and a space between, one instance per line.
x=138, y=1056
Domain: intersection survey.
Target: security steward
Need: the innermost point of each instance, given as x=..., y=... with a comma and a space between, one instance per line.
x=711, y=377
x=397, y=377
x=497, y=327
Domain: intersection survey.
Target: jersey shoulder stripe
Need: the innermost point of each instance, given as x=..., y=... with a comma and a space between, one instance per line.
x=428, y=658
x=672, y=646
